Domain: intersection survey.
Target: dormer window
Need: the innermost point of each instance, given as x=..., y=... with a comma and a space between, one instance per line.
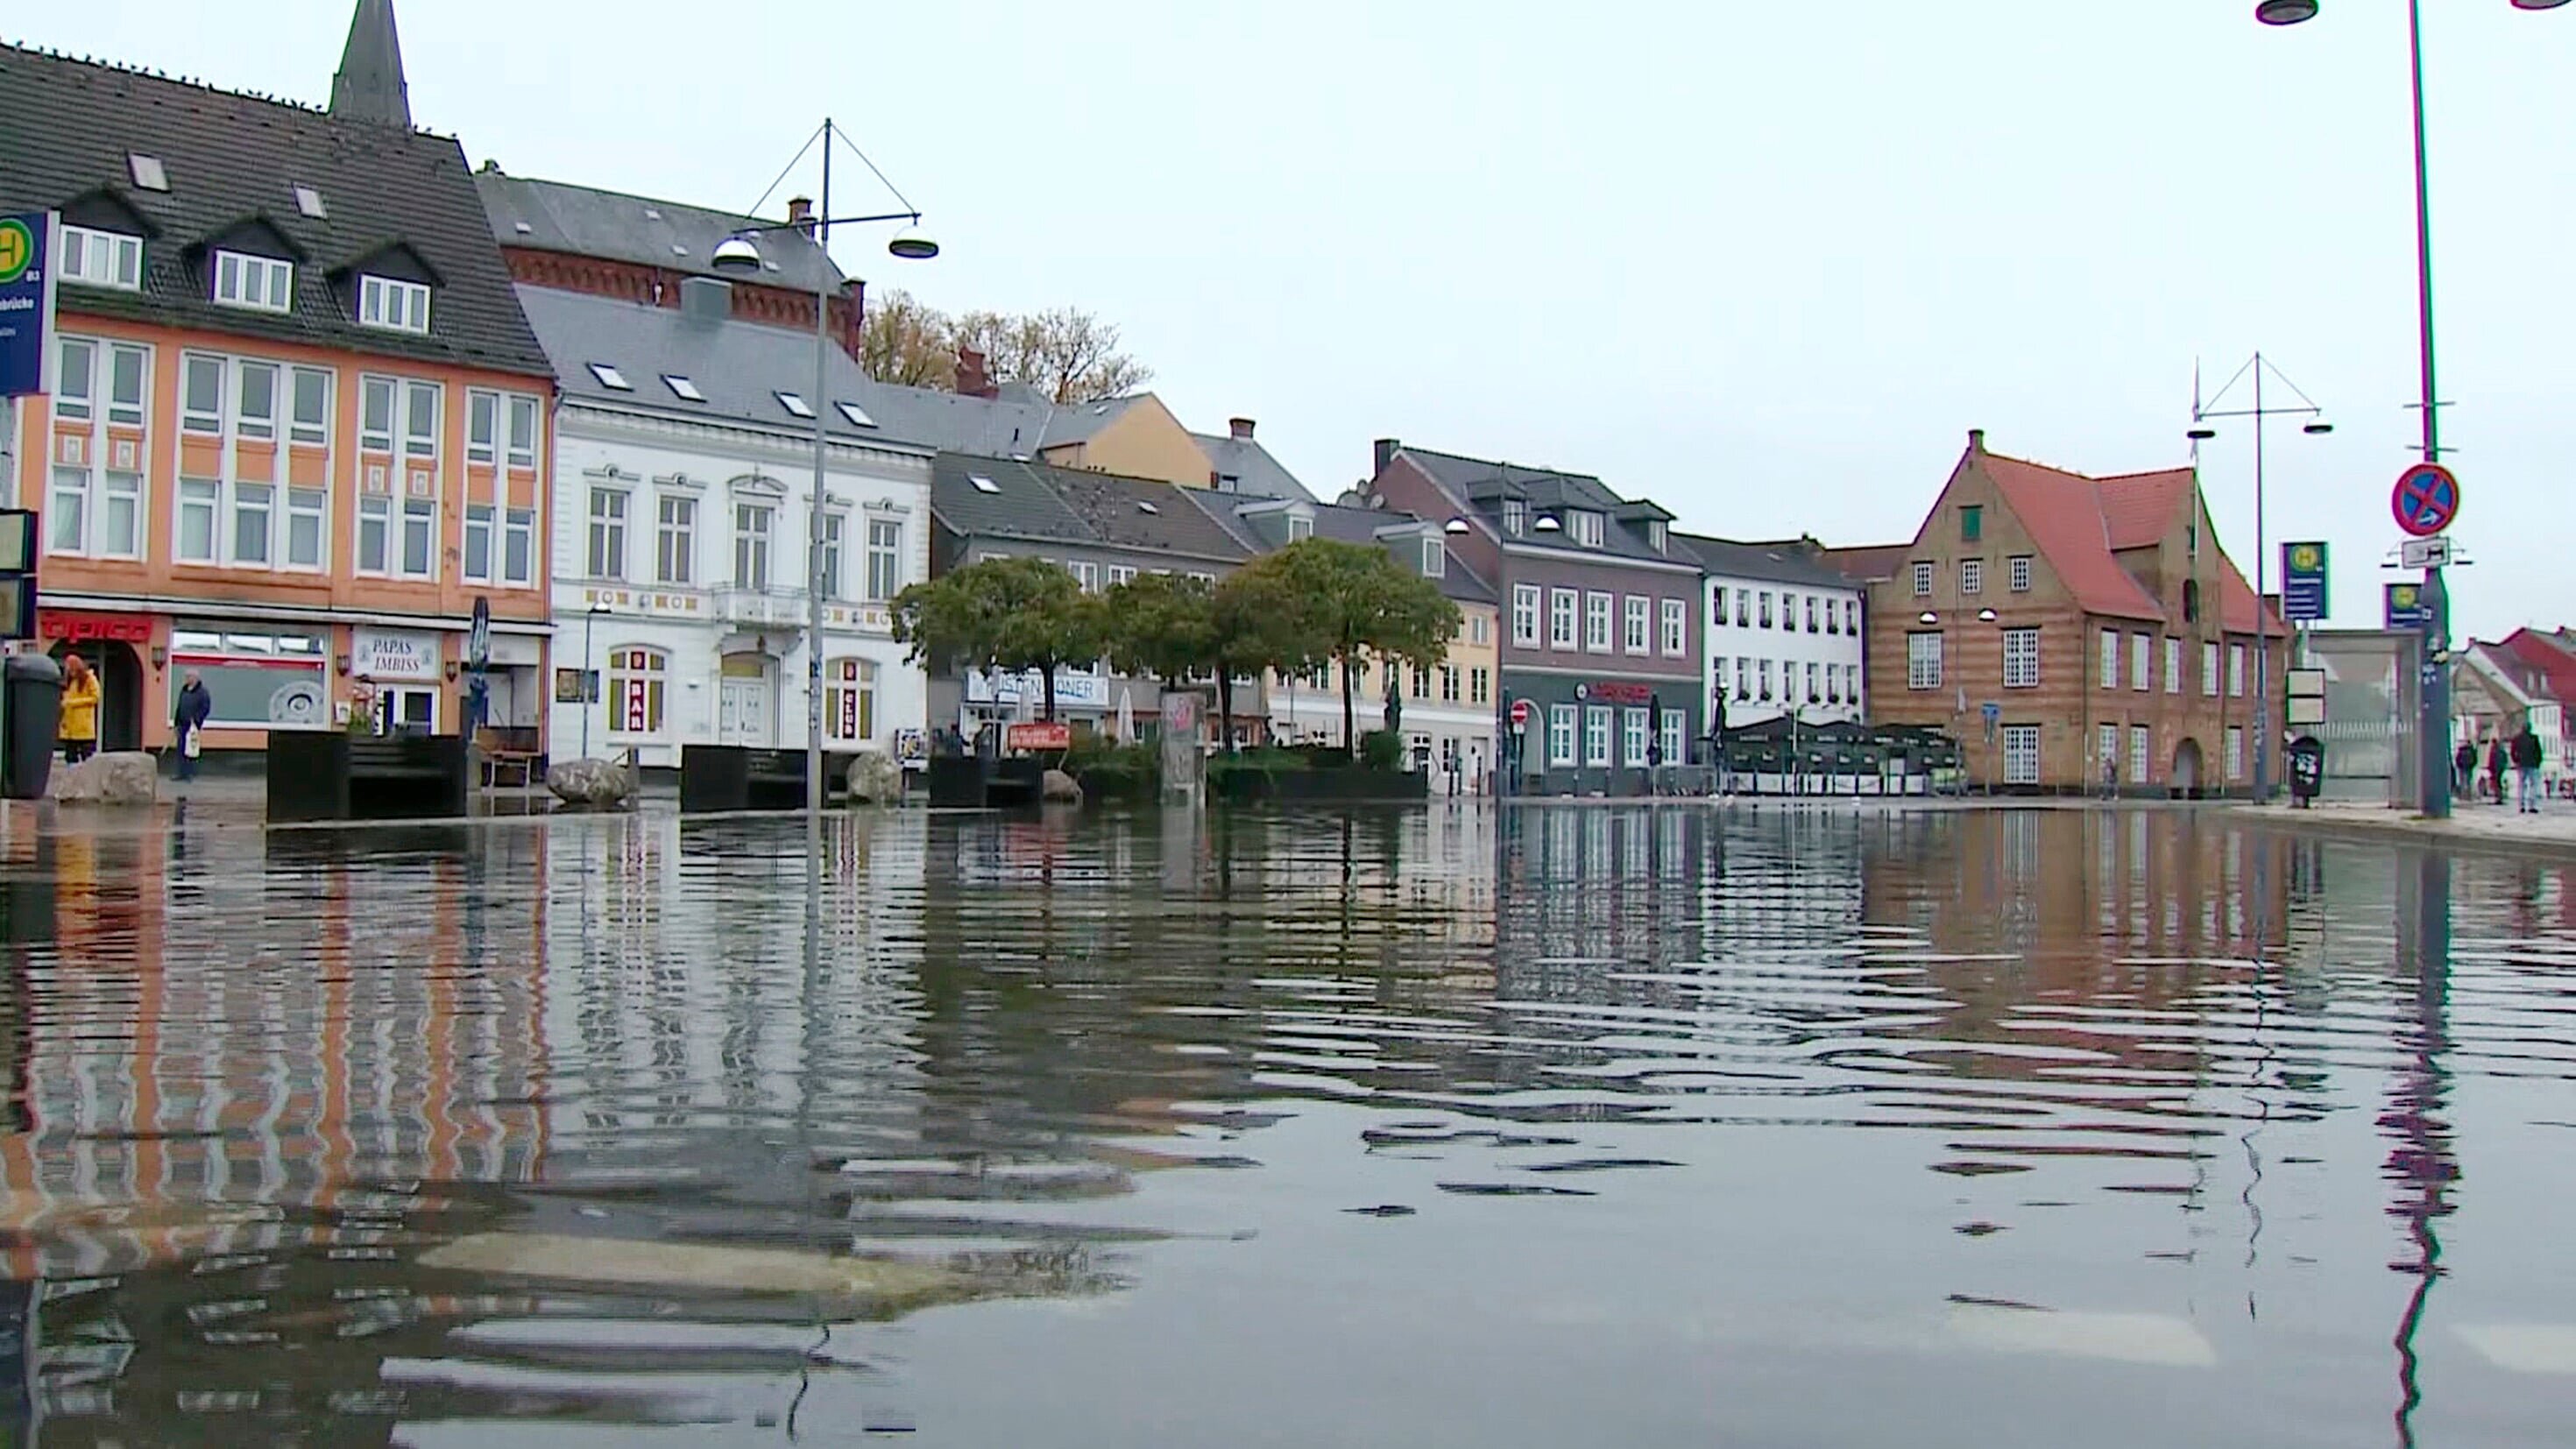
x=102, y=258
x=1655, y=534
x=1584, y=527
x=1300, y=529
x=265, y=283
x=1515, y=517
x=393, y=305
x=1435, y=559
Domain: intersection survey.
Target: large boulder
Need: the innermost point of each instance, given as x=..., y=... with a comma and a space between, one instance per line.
x=591, y=784
x=125, y=778
x=1059, y=788
x=875, y=779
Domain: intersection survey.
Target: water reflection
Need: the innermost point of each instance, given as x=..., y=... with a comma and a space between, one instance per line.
x=1772, y=1125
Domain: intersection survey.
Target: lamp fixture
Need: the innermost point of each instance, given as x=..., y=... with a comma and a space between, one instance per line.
x=2289, y=12
x=1927, y=617
x=1985, y=616
x=2317, y=427
x=735, y=253
x=1454, y=527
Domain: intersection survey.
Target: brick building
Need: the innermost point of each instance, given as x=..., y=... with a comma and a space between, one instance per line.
x=2055, y=622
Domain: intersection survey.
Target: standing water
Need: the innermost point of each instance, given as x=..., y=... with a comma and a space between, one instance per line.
x=1567, y=1126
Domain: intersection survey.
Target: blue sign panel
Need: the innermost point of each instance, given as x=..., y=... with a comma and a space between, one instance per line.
x=2303, y=582
x=2405, y=607
x=26, y=302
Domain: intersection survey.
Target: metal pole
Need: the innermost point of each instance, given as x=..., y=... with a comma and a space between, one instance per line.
x=2262, y=624
x=814, y=518
x=589, y=696
x=2433, y=718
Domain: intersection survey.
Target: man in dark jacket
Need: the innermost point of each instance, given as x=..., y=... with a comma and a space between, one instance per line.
x=2464, y=769
x=188, y=717
x=2495, y=768
x=2526, y=770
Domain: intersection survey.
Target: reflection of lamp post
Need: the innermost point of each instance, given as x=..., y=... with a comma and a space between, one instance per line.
x=2202, y=432
x=2433, y=718
x=589, y=691
x=739, y=255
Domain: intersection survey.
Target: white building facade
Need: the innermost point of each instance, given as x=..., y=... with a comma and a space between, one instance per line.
x=1784, y=636
x=681, y=528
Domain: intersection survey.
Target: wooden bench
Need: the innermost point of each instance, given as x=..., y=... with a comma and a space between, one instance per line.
x=504, y=750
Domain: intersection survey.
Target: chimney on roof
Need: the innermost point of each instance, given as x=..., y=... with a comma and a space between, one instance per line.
x=1239, y=428
x=974, y=378
x=800, y=214
x=1976, y=440
x=1386, y=451
x=369, y=85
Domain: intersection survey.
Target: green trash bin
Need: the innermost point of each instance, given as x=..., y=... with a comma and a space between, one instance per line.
x=31, y=712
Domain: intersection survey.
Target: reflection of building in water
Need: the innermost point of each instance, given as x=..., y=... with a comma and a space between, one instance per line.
x=1584, y=889
x=294, y=1038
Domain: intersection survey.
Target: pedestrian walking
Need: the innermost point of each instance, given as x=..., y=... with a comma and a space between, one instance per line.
x=188, y=716
x=79, y=729
x=2110, y=777
x=2526, y=770
x=2464, y=769
x=2495, y=768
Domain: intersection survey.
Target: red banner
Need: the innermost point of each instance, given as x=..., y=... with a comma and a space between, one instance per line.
x=81, y=628
x=1057, y=736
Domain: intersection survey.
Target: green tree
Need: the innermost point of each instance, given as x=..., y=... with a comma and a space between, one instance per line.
x=907, y=342
x=1353, y=602
x=1010, y=614
x=1163, y=625
x=1252, y=627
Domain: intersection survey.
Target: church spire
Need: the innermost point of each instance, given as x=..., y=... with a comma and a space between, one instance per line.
x=370, y=83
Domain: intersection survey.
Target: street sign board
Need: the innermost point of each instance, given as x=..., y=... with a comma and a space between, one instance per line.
x=2303, y=582
x=1992, y=711
x=1041, y=736
x=478, y=640
x=26, y=303
x=2403, y=607
x=2425, y=500
x=2425, y=553
x=1521, y=712
x=2308, y=681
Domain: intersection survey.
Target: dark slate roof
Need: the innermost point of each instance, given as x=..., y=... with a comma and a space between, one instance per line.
x=1081, y=422
x=1348, y=525
x=553, y=216
x=1781, y=562
x=1115, y=509
x=1256, y=473
x=1026, y=506
x=1478, y=481
x=67, y=127
x=953, y=422
x=738, y=366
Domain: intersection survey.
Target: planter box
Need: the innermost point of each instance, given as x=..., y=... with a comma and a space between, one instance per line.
x=1348, y=784
x=732, y=777
x=334, y=775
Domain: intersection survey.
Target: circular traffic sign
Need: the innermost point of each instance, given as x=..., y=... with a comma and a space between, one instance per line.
x=1521, y=711
x=2425, y=500
x=17, y=249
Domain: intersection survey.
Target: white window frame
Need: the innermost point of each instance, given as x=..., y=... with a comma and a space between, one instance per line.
x=610, y=512
x=1435, y=558
x=2017, y=573
x=376, y=509
x=241, y=501
x=1598, y=740
x=1676, y=629
x=675, y=540
x=519, y=540
x=1675, y=749
x=1762, y=677
x=372, y=390
x=1923, y=659
x=2236, y=671
x=1636, y=735
x=1526, y=607
x=2142, y=754
x=2021, y=659
x=482, y=425
x=2020, y=744
x=2235, y=752
x=75, y=404
x=836, y=533
x=311, y=505
x=2109, y=648
x=481, y=522
x=1597, y=638
x=1086, y=574
x=1564, y=619
x=1637, y=631
x=1563, y=721
x=118, y=258
x=2106, y=746
x=260, y=284
x=393, y=304
x=885, y=576
x=1118, y=573
x=2142, y=662
x=1585, y=527
x=523, y=447
x=422, y=512
x=311, y=433
x=420, y=395
x=1972, y=576
x=67, y=512
x=258, y=427
x=204, y=496
x=1300, y=528
x=2209, y=669
x=754, y=545
x=1923, y=580
x=2173, y=665
x=203, y=421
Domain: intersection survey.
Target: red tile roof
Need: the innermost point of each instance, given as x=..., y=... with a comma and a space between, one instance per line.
x=2551, y=656
x=1866, y=563
x=2080, y=523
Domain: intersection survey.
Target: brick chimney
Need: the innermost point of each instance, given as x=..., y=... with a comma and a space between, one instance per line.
x=1386, y=451
x=1976, y=440
x=974, y=379
x=1240, y=428
x=800, y=213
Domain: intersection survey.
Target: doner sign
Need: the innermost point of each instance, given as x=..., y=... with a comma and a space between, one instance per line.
x=26, y=302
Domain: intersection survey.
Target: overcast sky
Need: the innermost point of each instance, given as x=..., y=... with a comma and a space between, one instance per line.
x=1765, y=263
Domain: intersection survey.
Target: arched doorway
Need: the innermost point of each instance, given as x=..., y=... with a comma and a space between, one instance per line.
x=2186, y=769
x=120, y=690
x=746, y=700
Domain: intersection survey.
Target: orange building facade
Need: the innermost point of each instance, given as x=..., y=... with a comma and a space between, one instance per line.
x=299, y=427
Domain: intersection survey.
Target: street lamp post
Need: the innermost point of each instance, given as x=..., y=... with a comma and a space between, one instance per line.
x=2201, y=432
x=589, y=676
x=739, y=254
x=2433, y=718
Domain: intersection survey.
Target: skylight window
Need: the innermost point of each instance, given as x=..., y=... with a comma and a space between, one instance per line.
x=857, y=415
x=1144, y=507
x=796, y=406
x=983, y=484
x=309, y=202
x=682, y=388
x=148, y=172
x=610, y=377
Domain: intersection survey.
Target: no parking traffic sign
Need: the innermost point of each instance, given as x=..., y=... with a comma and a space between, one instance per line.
x=2425, y=500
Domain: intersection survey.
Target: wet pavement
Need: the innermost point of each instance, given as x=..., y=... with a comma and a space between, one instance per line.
x=1580, y=1126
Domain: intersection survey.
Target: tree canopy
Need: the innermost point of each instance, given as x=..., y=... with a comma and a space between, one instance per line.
x=1068, y=354
x=1347, y=603
x=1011, y=614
